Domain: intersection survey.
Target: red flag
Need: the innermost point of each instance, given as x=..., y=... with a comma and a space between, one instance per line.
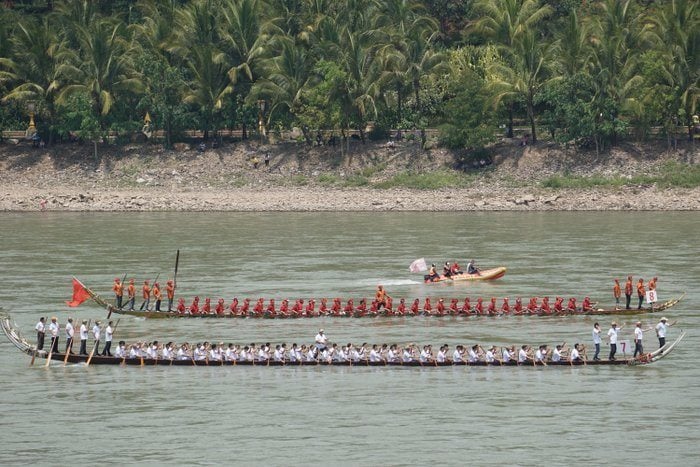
x=79, y=294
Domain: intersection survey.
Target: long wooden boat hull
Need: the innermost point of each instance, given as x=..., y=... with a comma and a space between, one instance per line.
x=484, y=275
x=367, y=314
x=16, y=338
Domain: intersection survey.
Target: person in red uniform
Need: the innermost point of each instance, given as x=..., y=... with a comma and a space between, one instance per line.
x=170, y=294
x=157, y=295
x=310, y=307
x=586, y=305
x=415, y=307
x=233, y=308
x=323, y=308
x=641, y=292
x=118, y=289
x=479, y=307
x=532, y=306
x=628, y=292
x=349, y=306
x=559, y=304
x=427, y=307
x=362, y=307
x=380, y=297
x=454, y=307
x=467, y=307
x=401, y=309
x=571, y=306
x=518, y=308
x=245, y=307
x=337, y=306
x=194, y=307
x=220, y=307
x=206, y=308
x=617, y=293
x=440, y=309
x=146, y=294
x=181, y=305
x=455, y=269
x=131, y=293
x=505, y=308
x=389, y=306
x=492, y=306
x=258, y=308
x=545, y=306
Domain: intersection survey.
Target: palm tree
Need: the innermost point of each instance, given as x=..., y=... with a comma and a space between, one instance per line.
x=677, y=34
x=504, y=22
x=38, y=47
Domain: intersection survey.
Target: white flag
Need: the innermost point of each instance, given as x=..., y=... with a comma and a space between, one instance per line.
x=418, y=265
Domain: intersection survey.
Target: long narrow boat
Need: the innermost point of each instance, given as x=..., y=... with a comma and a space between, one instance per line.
x=483, y=275
x=104, y=303
x=16, y=338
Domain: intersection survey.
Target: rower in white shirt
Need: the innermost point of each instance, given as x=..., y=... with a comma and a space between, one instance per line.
x=168, y=351
x=120, y=351
x=558, y=352
x=522, y=354
x=490, y=356
x=408, y=353
x=541, y=355
x=442, y=354
x=473, y=354
x=392, y=355
x=575, y=355
x=182, y=352
x=374, y=356
x=214, y=354
x=458, y=354
x=311, y=354
x=508, y=354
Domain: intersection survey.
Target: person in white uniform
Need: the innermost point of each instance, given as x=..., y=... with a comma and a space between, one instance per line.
x=612, y=336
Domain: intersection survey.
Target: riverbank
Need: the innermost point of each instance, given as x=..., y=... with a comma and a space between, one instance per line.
x=372, y=177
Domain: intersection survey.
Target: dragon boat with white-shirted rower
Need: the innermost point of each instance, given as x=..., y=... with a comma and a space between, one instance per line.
x=17, y=339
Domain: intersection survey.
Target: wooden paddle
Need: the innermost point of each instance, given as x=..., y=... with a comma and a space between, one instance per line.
x=68, y=350
x=48, y=359
x=177, y=262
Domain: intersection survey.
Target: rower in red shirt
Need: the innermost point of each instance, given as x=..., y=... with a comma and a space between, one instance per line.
x=362, y=307
x=206, y=309
x=349, y=306
x=234, y=306
x=467, y=307
x=518, y=308
x=454, y=307
x=284, y=307
x=415, y=306
x=505, y=308
x=427, y=307
x=335, y=309
x=245, y=307
x=298, y=307
x=194, y=307
x=401, y=309
x=258, y=307
x=572, y=305
x=532, y=306
x=559, y=304
x=389, y=306
x=310, y=307
x=586, y=305
x=440, y=309
x=479, y=307
x=492, y=306
x=271, y=307
x=323, y=309
x=220, y=307
x=545, y=306
x=180, y=305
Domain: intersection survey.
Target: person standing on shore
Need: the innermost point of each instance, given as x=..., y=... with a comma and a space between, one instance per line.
x=40, y=333
x=118, y=288
x=131, y=292
x=612, y=336
x=628, y=292
x=596, y=340
x=617, y=293
x=641, y=292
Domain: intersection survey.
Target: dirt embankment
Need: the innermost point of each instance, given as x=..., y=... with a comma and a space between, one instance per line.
x=143, y=177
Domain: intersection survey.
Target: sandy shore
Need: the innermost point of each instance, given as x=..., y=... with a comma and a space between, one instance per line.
x=305, y=199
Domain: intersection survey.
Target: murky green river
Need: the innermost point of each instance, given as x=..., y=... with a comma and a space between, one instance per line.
x=350, y=416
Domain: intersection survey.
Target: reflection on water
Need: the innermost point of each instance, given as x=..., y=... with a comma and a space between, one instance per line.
x=348, y=415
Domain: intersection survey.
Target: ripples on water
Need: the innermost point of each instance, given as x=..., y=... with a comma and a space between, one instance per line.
x=357, y=416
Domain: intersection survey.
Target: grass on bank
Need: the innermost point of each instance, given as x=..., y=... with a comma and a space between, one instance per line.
x=671, y=175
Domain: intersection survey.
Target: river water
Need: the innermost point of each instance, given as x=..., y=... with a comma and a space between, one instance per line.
x=350, y=416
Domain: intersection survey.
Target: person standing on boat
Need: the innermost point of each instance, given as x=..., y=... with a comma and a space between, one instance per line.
x=596, y=340
x=628, y=292
x=131, y=292
x=612, y=336
x=661, y=329
x=146, y=294
x=471, y=268
x=617, y=293
x=40, y=333
x=118, y=289
x=108, y=339
x=170, y=293
x=381, y=297
x=641, y=292
x=638, y=336
x=321, y=341
x=83, y=338
x=157, y=295
x=53, y=330
x=96, y=335
x=70, y=332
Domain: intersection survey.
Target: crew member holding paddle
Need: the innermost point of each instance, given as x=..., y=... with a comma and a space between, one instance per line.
x=40, y=333
x=381, y=297
x=53, y=330
x=131, y=292
x=118, y=289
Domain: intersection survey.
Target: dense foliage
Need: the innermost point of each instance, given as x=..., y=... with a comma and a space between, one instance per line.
x=584, y=71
